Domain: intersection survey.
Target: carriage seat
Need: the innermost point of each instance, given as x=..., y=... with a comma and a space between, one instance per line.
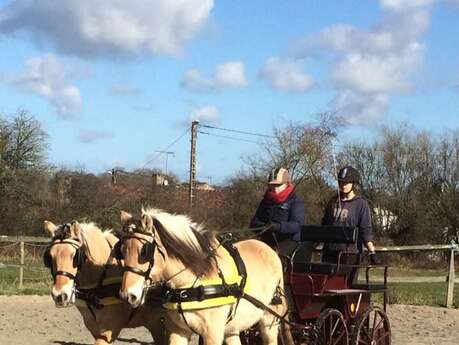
x=322, y=268
x=329, y=234
x=311, y=234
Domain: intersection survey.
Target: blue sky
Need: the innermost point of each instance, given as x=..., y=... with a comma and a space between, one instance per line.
x=114, y=81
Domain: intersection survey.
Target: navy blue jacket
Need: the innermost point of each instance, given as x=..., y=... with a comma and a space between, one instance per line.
x=290, y=215
x=354, y=212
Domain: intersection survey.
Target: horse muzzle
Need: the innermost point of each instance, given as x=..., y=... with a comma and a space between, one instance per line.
x=63, y=299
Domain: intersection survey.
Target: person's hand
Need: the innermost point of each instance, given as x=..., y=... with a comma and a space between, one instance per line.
x=374, y=260
x=274, y=227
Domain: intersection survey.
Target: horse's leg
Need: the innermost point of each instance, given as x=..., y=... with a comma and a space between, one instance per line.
x=107, y=337
x=214, y=333
x=158, y=332
x=178, y=339
x=232, y=339
x=269, y=328
x=90, y=324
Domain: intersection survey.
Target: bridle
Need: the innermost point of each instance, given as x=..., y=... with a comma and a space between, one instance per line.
x=147, y=253
x=78, y=257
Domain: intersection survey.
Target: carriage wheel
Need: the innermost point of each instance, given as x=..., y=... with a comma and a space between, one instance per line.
x=372, y=328
x=331, y=328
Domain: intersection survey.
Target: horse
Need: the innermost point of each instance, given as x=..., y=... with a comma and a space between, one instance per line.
x=186, y=259
x=86, y=275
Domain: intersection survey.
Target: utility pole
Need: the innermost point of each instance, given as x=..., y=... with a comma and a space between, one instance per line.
x=194, y=134
x=167, y=153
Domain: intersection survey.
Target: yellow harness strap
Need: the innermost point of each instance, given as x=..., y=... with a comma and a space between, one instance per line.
x=230, y=278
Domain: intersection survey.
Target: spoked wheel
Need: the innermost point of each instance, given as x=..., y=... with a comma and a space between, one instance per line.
x=331, y=328
x=372, y=328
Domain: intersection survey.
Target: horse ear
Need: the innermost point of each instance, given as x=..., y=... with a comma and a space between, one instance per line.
x=49, y=227
x=75, y=229
x=147, y=223
x=125, y=217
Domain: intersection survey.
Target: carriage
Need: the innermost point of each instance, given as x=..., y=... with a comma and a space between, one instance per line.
x=331, y=303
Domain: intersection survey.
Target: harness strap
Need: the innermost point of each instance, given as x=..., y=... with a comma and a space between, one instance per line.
x=201, y=293
x=65, y=274
x=257, y=303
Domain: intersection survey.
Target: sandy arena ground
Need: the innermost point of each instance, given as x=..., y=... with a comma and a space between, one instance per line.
x=33, y=320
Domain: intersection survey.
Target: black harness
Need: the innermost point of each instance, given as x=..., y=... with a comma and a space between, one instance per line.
x=203, y=292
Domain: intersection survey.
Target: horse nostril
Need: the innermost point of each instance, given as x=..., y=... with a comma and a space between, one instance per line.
x=132, y=299
x=61, y=298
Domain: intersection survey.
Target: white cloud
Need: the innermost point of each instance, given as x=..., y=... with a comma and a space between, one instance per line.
x=230, y=74
x=363, y=109
x=227, y=75
x=89, y=136
x=372, y=64
x=123, y=90
x=286, y=75
x=46, y=77
x=193, y=80
x=405, y=5
x=88, y=28
x=376, y=73
x=206, y=115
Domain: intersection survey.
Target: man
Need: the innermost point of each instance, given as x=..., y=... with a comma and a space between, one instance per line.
x=348, y=208
x=283, y=211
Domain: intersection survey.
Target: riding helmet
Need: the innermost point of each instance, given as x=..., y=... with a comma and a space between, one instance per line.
x=279, y=176
x=349, y=174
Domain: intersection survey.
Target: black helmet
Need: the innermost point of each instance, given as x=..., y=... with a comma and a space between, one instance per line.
x=348, y=174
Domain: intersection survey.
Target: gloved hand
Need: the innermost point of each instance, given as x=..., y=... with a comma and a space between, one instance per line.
x=373, y=258
x=274, y=227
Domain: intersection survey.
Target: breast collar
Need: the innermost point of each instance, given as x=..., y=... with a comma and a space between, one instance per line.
x=212, y=292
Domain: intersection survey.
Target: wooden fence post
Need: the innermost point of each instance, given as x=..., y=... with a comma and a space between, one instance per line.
x=21, y=268
x=450, y=280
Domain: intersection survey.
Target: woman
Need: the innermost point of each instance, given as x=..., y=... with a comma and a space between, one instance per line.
x=283, y=210
x=349, y=209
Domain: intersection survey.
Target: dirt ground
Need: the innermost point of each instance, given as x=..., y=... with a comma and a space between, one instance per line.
x=33, y=320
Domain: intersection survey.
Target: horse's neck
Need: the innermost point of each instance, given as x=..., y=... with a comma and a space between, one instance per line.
x=176, y=274
x=91, y=271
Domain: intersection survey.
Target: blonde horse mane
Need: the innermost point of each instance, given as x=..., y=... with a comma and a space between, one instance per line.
x=94, y=239
x=185, y=240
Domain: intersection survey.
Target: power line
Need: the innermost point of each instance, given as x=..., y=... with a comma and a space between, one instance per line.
x=165, y=149
x=238, y=131
x=228, y=137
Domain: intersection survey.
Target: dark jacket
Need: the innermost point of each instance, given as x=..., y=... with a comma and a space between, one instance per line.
x=290, y=215
x=354, y=213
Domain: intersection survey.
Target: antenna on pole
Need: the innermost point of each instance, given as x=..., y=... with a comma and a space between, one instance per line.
x=192, y=187
x=114, y=173
x=167, y=153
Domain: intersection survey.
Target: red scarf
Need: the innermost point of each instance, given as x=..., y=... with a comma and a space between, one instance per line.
x=279, y=198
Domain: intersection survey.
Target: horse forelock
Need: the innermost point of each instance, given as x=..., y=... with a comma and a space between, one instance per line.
x=184, y=240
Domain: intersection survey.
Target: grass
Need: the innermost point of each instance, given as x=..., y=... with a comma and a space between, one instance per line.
x=432, y=294
x=37, y=280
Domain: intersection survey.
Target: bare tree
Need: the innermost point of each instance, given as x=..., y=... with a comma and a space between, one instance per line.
x=305, y=149
x=23, y=142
